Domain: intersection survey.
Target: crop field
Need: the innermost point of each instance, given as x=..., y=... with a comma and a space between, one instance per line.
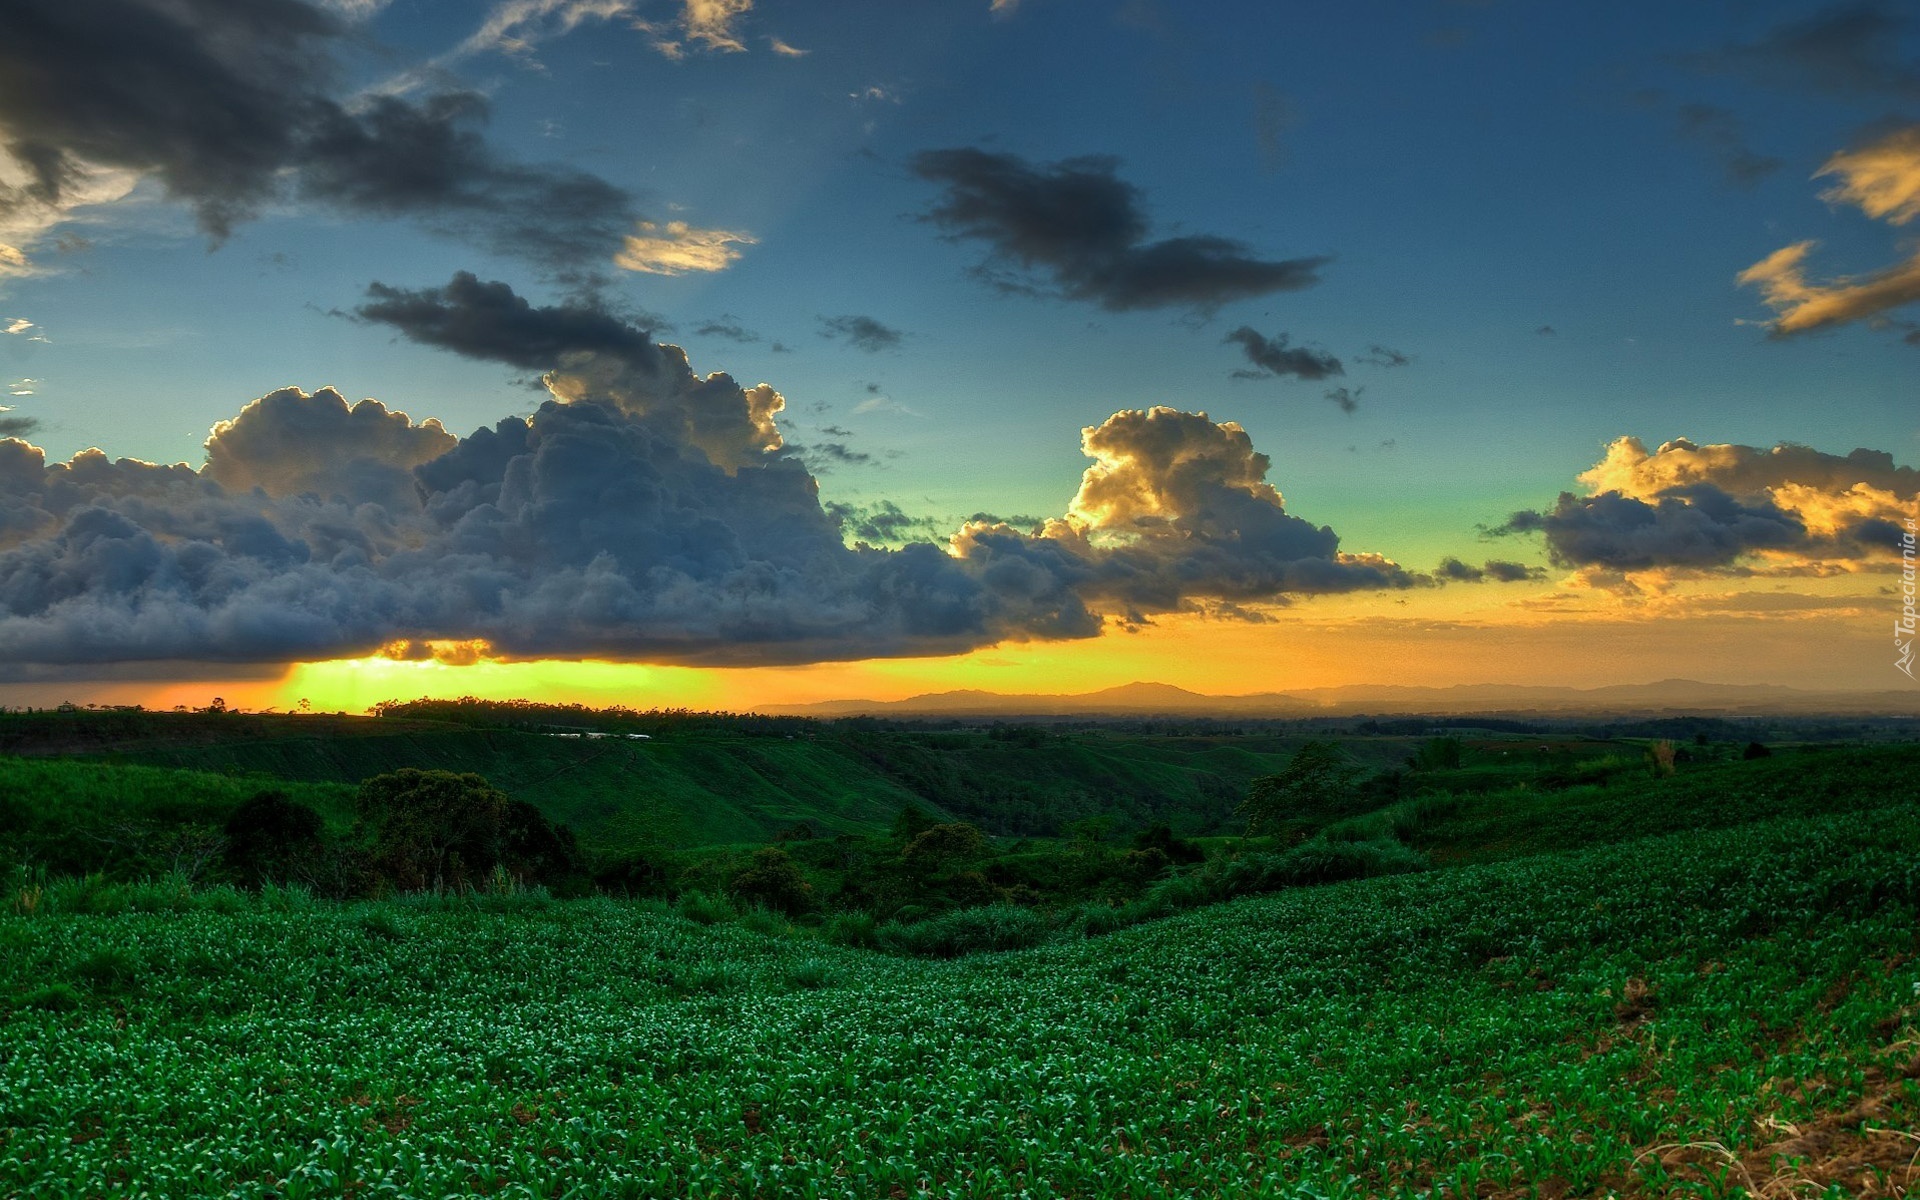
x=1710, y=1014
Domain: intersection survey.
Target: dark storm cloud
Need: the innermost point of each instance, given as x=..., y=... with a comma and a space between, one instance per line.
x=1693, y=526
x=861, y=332
x=490, y=321
x=229, y=105
x=1273, y=357
x=1719, y=132
x=1846, y=50
x=1078, y=227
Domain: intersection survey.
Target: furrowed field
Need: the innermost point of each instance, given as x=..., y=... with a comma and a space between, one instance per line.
x=1717, y=1013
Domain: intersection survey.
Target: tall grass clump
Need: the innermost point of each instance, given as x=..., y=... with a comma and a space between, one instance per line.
x=993, y=927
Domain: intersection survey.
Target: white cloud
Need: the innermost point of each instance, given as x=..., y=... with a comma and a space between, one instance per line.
x=785, y=50
x=676, y=248
x=17, y=325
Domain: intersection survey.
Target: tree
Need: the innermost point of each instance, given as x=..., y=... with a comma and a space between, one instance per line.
x=438, y=829
x=1438, y=754
x=1316, y=782
x=772, y=878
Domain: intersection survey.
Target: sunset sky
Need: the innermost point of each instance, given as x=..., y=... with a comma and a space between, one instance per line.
x=737, y=352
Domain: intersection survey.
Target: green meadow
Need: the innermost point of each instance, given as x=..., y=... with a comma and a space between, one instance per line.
x=1494, y=968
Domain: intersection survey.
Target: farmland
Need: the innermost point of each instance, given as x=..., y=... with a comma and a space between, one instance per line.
x=1485, y=968
x=1676, y=1015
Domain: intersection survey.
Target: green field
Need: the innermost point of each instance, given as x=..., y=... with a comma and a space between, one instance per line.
x=1717, y=1013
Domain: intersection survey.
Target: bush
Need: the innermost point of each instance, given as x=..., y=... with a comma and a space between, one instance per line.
x=994, y=928
x=856, y=929
x=702, y=909
x=52, y=997
x=269, y=838
x=811, y=973
x=771, y=878
x=107, y=971
x=764, y=922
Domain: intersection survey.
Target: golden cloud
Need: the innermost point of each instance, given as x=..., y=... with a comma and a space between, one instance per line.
x=677, y=248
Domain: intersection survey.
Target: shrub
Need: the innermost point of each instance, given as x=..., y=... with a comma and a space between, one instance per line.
x=773, y=879
x=851, y=929
x=1159, y=836
x=107, y=971
x=764, y=922
x=52, y=997
x=995, y=927
x=702, y=909
x=269, y=836
x=940, y=846
x=1756, y=750
x=811, y=973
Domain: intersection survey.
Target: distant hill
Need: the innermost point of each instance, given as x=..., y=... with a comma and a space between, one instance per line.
x=1663, y=697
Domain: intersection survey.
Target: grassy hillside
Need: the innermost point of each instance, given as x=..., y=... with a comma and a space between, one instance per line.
x=1712, y=1014
x=713, y=787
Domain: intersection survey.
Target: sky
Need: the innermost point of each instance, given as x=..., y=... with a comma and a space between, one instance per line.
x=737, y=352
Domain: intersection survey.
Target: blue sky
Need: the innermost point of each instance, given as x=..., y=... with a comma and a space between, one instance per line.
x=1543, y=208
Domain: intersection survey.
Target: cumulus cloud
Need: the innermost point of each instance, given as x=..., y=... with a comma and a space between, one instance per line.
x=1274, y=357
x=860, y=332
x=1077, y=227
x=229, y=108
x=677, y=248
x=1882, y=178
x=1723, y=507
x=1177, y=506
x=643, y=512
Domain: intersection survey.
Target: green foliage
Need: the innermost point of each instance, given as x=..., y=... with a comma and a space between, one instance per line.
x=437, y=830
x=1555, y=1025
x=1316, y=783
x=1438, y=754
x=771, y=878
x=992, y=928
x=939, y=847
x=702, y=909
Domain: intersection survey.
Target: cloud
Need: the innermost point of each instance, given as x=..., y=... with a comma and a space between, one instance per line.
x=1718, y=132
x=590, y=355
x=677, y=248
x=822, y=457
x=229, y=108
x=15, y=427
x=1380, y=356
x=517, y=26
x=784, y=50
x=1453, y=570
x=1347, y=398
x=1273, y=357
x=1176, y=507
x=862, y=333
x=1273, y=115
x=1882, y=178
x=643, y=512
x=1804, y=306
x=1847, y=50
x=725, y=326
x=1078, y=227
x=883, y=523
x=1722, y=507
x=1547, y=331
x=16, y=326
x=710, y=23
